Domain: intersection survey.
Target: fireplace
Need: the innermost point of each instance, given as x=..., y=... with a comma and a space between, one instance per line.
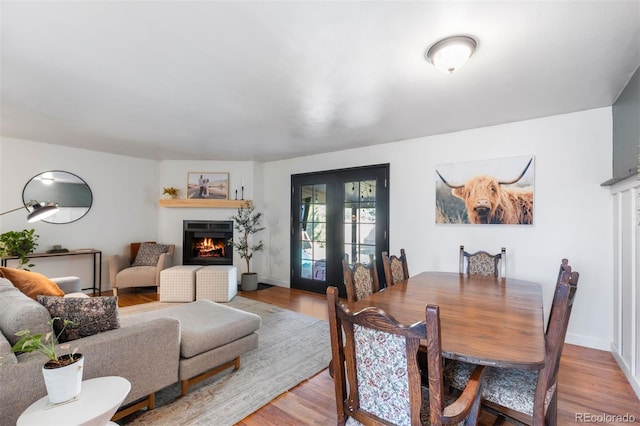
x=205, y=242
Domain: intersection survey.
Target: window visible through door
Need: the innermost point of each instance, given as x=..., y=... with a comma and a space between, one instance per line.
x=336, y=215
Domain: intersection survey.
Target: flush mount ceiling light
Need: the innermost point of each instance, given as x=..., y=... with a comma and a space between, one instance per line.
x=451, y=53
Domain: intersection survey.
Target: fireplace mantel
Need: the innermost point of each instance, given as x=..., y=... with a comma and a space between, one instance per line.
x=197, y=202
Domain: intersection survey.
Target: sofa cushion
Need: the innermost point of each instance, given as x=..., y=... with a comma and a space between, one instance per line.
x=204, y=325
x=18, y=312
x=140, y=276
x=6, y=285
x=91, y=315
x=6, y=356
x=149, y=254
x=31, y=283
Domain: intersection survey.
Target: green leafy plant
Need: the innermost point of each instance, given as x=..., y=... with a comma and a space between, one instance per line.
x=20, y=244
x=45, y=344
x=247, y=222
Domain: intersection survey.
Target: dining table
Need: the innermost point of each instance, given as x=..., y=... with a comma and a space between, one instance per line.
x=484, y=320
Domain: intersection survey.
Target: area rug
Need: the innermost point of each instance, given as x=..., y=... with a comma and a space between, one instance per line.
x=292, y=348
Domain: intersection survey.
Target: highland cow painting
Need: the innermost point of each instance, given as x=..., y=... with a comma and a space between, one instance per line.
x=486, y=192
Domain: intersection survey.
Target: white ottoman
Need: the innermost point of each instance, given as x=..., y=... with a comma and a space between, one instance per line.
x=217, y=282
x=178, y=283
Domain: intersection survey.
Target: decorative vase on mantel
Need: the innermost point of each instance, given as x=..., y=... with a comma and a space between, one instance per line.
x=63, y=383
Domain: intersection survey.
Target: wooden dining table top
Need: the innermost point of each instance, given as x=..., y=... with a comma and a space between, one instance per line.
x=484, y=320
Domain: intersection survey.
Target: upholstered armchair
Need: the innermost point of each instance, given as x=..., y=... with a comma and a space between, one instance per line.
x=142, y=267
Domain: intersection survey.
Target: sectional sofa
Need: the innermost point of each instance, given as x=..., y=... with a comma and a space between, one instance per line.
x=184, y=343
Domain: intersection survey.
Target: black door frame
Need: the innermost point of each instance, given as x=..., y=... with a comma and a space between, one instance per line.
x=333, y=179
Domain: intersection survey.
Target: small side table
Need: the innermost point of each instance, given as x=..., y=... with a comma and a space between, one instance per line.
x=98, y=401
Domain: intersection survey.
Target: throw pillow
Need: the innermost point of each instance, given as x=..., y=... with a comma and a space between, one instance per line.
x=149, y=254
x=92, y=315
x=31, y=283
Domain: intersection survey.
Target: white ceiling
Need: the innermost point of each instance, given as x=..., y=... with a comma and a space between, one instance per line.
x=269, y=80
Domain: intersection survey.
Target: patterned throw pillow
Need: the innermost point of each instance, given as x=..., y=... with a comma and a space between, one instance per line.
x=149, y=254
x=92, y=315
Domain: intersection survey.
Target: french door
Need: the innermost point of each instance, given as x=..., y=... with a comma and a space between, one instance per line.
x=335, y=215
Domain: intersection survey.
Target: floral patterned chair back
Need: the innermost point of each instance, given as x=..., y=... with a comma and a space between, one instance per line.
x=483, y=264
x=360, y=280
x=395, y=268
x=376, y=373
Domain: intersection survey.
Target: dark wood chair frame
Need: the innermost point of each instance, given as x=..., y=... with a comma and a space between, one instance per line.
x=498, y=258
x=349, y=273
x=386, y=263
x=341, y=324
x=556, y=332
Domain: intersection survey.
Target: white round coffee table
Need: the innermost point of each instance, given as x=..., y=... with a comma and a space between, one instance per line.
x=98, y=401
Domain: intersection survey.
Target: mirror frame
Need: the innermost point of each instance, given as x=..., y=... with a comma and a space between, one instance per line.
x=49, y=219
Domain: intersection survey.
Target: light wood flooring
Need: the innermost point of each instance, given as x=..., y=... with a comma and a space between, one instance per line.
x=590, y=382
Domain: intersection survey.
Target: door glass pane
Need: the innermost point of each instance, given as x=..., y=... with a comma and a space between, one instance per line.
x=359, y=221
x=313, y=225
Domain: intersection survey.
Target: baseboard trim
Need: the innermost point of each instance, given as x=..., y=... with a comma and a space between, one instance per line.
x=589, y=342
x=633, y=381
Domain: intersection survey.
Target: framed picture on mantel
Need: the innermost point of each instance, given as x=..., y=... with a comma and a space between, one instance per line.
x=208, y=185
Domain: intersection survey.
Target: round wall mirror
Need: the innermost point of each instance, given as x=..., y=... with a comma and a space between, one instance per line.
x=70, y=192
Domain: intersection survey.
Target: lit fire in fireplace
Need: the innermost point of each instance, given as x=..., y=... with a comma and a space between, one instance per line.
x=209, y=247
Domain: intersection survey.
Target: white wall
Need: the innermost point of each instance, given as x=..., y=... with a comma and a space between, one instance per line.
x=573, y=214
x=125, y=193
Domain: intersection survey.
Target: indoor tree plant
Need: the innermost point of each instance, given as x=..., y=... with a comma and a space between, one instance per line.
x=247, y=222
x=62, y=373
x=20, y=244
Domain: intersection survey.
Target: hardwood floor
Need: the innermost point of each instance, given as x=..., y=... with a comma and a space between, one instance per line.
x=590, y=383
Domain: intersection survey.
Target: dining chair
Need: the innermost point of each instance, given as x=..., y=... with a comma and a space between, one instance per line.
x=360, y=280
x=484, y=264
x=564, y=268
x=395, y=268
x=376, y=375
x=529, y=397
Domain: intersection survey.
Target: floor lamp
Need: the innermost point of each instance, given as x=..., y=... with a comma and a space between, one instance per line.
x=39, y=210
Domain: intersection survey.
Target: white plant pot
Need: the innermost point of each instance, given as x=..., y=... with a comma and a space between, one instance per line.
x=63, y=383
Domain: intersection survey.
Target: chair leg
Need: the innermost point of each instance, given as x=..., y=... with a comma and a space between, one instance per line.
x=499, y=420
x=551, y=417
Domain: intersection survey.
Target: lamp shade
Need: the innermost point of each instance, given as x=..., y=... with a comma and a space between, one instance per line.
x=40, y=212
x=451, y=53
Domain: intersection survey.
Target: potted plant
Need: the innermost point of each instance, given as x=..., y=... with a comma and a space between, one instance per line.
x=247, y=222
x=170, y=192
x=19, y=244
x=62, y=374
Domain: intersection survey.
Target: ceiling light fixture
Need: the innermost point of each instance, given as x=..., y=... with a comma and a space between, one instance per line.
x=451, y=53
